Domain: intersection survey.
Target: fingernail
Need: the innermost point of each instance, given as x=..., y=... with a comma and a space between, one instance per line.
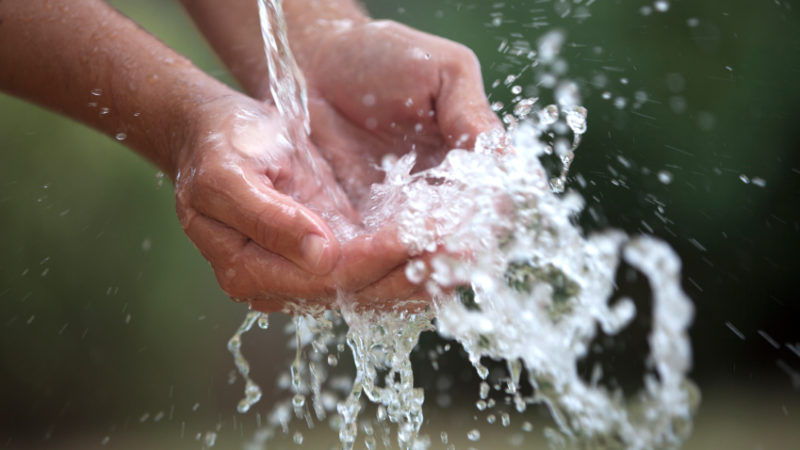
x=313, y=250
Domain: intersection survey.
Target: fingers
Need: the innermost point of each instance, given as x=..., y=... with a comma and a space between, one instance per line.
x=247, y=203
x=462, y=107
x=369, y=258
x=371, y=270
x=244, y=270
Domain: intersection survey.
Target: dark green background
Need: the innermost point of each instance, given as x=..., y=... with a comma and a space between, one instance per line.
x=108, y=313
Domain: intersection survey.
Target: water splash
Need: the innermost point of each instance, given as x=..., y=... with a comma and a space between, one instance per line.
x=534, y=291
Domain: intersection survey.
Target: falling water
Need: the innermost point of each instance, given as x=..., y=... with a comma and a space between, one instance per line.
x=534, y=291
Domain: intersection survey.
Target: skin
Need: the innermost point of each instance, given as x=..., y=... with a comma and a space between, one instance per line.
x=258, y=210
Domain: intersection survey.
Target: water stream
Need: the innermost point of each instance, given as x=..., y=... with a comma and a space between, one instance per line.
x=535, y=291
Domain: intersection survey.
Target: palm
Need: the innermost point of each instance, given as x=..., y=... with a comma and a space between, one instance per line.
x=426, y=97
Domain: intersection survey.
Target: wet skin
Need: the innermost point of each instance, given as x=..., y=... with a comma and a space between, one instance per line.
x=252, y=204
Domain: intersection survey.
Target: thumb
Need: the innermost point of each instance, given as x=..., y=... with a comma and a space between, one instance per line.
x=275, y=221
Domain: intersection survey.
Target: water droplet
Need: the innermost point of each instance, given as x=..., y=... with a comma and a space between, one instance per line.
x=210, y=439
x=333, y=360
x=121, y=136
x=474, y=435
x=664, y=177
x=97, y=92
x=416, y=270
x=368, y=100
x=576, y=119
x=484, y=389
x=745, y=179
x=263, y=321
x=104, y=111
x=516, y=90
x=549, y=115
x=758, y=181
x=298, y=438
x=661, y=5
x=550, y=45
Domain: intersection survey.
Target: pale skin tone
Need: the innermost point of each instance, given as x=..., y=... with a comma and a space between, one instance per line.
x=256, y=209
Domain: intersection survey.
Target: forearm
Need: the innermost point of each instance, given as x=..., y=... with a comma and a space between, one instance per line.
x=234, y=32
x=85, y=60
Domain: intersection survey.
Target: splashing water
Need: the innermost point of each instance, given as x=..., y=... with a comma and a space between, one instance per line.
x=533, y=291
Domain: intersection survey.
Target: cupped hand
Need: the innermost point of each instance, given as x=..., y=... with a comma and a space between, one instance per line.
x=261, y=210
x=381, y=88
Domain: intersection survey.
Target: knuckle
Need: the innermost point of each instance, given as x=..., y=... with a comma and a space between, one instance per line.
x=462, y=59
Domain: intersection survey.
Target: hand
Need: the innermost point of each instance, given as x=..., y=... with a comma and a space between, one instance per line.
x=254, y=205
x=380, y=88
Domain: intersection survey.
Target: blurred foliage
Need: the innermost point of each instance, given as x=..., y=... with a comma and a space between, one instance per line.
x=108, y=313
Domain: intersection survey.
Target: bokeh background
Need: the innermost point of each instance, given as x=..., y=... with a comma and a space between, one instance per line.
x=113, y=330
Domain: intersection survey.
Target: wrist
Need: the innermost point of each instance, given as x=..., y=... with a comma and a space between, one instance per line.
x=183, y=119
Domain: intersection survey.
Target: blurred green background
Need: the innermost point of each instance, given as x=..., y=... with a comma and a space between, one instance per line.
x=113, y=330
